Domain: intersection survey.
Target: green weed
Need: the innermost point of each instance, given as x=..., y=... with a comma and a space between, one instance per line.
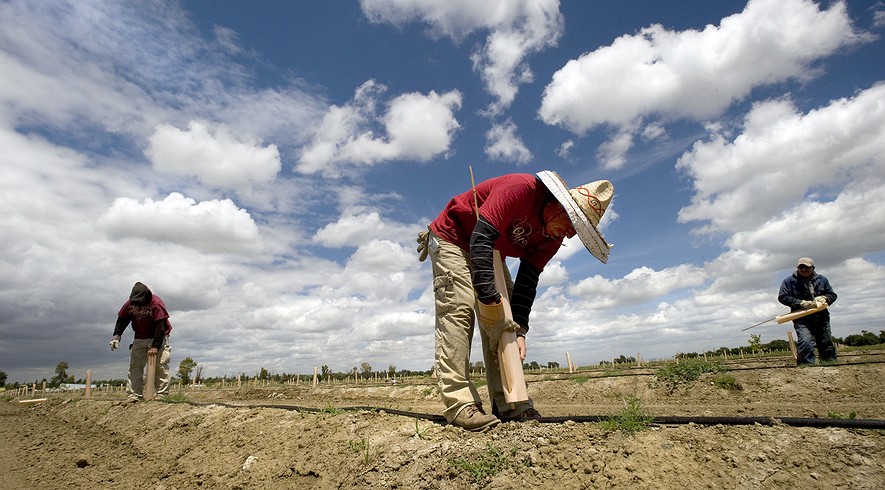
x=686, y=371
x=836, y=415
x=631, y=418
x=487, y=465
x=727, y=382
x=177, y=397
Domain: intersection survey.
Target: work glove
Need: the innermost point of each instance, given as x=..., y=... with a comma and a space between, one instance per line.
x=805, y=304
x=494, y=322
x=115, y=342
x=820, y=300
x=423, y=238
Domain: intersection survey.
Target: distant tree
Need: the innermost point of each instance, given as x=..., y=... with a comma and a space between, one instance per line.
x=882, y=336
x=552, y=365
x=865, y=338
x=367, y=368
x=778, y=345
x=325, y=371
x=263, y=374
x=198, y=373
x=61, y=374
x=391, y=370
x=755, y=342
x=185, y=368
x=2, y=378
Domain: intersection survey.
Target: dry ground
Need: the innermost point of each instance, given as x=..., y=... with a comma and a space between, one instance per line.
x=69, y=442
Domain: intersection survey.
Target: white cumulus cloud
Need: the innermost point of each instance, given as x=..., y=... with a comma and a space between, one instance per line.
x=415, y=126
x=215, y=226
x=212, y=153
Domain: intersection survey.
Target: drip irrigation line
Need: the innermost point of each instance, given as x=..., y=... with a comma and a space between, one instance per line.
x=664, y=420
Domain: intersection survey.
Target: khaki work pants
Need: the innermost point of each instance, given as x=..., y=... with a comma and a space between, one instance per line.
x=455, y=301
x=137, y=363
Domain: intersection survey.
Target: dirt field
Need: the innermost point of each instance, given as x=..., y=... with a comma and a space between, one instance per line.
x=69, y=442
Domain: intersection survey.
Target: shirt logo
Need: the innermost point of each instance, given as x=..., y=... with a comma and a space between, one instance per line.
x=140, y=312
x=520, y=231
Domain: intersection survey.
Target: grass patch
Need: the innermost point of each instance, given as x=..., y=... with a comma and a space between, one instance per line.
x=685, y=372
x=580, y=379
x=361, y=446
x=487, y=465
x=632, y=418
x=330, y=410
x=727, y=382
x=177, y=397
x=836, y=415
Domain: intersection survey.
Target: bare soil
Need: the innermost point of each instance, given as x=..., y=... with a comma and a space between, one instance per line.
x=69, y=442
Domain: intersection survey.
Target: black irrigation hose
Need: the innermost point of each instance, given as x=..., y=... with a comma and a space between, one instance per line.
x=666, y=420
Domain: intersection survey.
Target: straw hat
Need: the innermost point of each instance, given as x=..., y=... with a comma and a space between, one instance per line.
x=585, y=206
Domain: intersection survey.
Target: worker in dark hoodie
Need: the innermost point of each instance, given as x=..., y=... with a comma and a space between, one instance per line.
x=150, y=321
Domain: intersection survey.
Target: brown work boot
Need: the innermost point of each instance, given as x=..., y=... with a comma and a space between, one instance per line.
x=472, y=418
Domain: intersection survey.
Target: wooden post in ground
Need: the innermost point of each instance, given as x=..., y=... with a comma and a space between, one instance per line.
x=44, y=388
x=315, y=377
x=238, y=380
x=638, y=359
x=568, y=361
x=150, y=387
x=792, y=345
x=88, y=383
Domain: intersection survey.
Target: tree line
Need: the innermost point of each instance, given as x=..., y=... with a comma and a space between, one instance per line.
x=189, y=371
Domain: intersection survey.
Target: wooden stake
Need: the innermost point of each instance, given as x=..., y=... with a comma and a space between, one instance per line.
x=35, y=400
x=792, y=345
x=509, y=362
x=150, y=389
x=568, y=361
x=315, y=377
x=88, y=383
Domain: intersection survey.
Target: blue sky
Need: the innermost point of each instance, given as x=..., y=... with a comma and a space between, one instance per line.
x=264, y=168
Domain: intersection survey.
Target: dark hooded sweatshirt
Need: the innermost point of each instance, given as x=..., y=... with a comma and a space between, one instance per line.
x=148, y=315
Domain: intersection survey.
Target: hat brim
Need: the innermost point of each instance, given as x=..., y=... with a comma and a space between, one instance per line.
x=586, y=231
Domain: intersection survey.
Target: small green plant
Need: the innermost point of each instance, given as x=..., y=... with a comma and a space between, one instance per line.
x=177, y=397
x=686, y=371
x=836, y=415
x=580, y=379
x=361, y=446
x=631, y=419
x=421, y=433
x=428, y=391
x=330, y=410
x=489, y=464
x=727, y=382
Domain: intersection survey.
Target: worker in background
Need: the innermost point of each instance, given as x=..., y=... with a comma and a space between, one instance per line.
x=523, y=216
x=150, y=322
x=802, y=290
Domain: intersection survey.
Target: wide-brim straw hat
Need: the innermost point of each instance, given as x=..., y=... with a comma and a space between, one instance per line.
x=585, y=206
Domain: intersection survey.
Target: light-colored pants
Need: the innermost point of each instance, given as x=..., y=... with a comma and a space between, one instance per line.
x=138, y=360
x=455, y=300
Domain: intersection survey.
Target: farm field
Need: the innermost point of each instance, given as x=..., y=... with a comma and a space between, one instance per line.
x=346, y=436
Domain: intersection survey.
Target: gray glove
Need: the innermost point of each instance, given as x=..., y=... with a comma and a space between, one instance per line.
x=805, y=304
x=423, y=238
x=115, y=342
